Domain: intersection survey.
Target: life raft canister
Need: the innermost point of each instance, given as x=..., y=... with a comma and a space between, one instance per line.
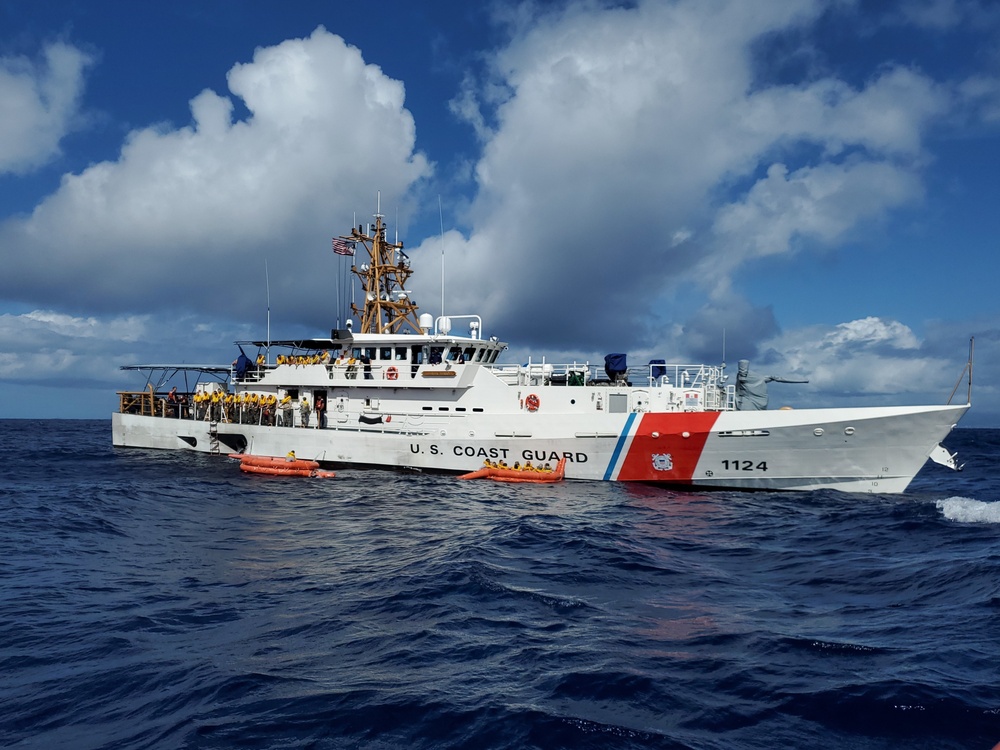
x=532, y=402
x=392, y=373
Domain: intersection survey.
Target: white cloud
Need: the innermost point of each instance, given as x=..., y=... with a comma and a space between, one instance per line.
x=39, y=105
x=937, y=14
x=637, y=152
x=50, y=348
x=872, y=331
x=130, y=328
x=195, y=211
x=45, y=346
x=815, y=203
x=981, y=93
x=867, y=357
x=886, y=117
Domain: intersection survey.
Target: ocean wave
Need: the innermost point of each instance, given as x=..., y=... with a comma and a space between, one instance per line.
x=967, y=510
x=156, y=600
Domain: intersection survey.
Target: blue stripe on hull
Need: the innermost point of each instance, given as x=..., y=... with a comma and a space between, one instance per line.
x=626, y=430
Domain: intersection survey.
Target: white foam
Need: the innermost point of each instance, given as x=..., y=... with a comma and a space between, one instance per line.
x=967, y=510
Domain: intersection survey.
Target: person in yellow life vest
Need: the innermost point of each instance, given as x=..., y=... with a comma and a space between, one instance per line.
x=286, y=411
x=304, y=412
x=260, y=360
x=324, y=358
x=290, y=456
x=272, y=409
x=502, y=464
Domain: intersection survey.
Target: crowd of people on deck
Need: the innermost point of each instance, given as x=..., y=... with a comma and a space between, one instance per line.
x=293, y=359
x=247, y=408
x=343, y=359
x=263, y=409
x=242, y=408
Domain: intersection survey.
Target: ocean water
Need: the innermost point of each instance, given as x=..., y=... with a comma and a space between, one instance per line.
x=163, y=600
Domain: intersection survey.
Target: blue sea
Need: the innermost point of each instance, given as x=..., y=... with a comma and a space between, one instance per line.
x=165, y=600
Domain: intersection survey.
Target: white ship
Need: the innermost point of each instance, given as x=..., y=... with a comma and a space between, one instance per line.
x=405, y=391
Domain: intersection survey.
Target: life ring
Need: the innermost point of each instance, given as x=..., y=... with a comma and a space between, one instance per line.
x=532, y=402
x=392, y=373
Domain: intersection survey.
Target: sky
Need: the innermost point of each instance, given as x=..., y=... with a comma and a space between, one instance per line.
x=807, y=184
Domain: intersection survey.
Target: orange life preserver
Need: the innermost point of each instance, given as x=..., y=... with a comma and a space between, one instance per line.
x=392, y=373
x=532, y=402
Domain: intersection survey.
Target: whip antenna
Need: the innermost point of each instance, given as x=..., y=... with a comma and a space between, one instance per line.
x=441, y=219
x=267, y=286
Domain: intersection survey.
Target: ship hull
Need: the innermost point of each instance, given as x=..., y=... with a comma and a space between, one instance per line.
x=866, y=449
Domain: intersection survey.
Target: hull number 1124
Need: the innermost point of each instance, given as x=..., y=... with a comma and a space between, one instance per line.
x=744, y=465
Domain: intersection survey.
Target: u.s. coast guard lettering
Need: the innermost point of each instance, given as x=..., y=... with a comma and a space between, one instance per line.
x=498, y=453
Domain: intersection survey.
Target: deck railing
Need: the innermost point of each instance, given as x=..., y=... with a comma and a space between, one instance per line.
x=702, y=386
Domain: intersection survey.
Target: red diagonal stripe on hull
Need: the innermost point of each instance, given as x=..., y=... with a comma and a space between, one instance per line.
x=670, y=444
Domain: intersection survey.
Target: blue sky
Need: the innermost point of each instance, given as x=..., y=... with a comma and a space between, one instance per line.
x=812, y=183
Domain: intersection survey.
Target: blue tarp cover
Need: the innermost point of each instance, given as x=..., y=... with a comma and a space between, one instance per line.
x=615, y=364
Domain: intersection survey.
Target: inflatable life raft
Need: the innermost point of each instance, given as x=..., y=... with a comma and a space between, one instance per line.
x=283, y=467
x=519, y=475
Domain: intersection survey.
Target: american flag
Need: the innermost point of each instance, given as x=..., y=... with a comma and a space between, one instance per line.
x=342, y=247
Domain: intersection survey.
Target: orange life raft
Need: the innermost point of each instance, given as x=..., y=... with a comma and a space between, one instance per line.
x=519, y=475
x=282, y=467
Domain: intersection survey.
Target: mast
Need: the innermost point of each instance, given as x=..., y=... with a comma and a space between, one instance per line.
x=387, y=307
